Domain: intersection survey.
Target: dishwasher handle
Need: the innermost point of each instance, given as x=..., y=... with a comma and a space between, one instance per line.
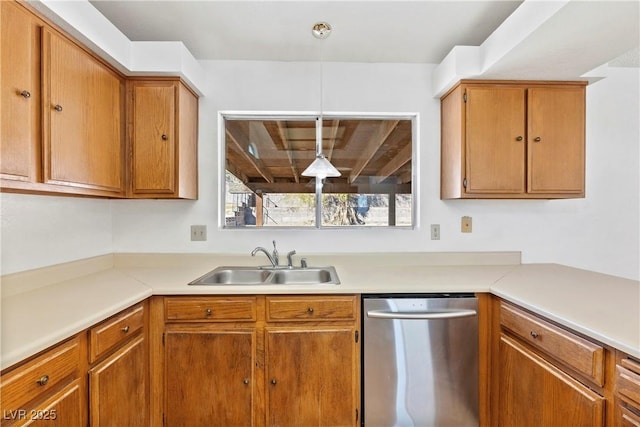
x=421, y=315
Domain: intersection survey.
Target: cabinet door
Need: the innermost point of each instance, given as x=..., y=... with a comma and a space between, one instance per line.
x=209, y=376
x=66, y=408
x=535, y=393
x=556, y=140
x=311, y=376
x=19, y=93
x=118, y=388
x=495, y=140
x=153, y=138
x=83, y=114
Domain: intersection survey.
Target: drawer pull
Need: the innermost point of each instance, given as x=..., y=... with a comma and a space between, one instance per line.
x=43, y=380
x=125, y=329
x=533, y=334
x=25, y=94
x=58, y=107
x=246, y=381
x=310, y=310
x=274, y=382
x=208, y=312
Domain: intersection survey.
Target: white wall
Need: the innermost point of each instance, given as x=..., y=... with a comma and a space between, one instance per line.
x=38, y=231
x=600, y=232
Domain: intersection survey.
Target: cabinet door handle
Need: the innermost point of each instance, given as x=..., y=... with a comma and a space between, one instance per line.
x=43, y=380
x=519, y=138
x=274, y=382
x=537, y=139
x=58, y=107
x=245, y=381
x=164, y=137
x=26, y=94
x=125, y=329
x=533, y=334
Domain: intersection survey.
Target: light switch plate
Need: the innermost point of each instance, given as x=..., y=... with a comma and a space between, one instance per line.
x=198, y=233
x=465, y=225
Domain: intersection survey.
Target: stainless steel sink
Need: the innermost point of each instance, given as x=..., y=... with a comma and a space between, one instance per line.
x=269, y=276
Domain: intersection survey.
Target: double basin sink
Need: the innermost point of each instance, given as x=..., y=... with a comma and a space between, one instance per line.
x=269, y=276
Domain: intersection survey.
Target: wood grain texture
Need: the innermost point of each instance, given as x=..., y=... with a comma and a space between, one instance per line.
x=115, y=331
x=187, y=119
x=209, y=377
x=24, y=384
x=495, y=158
x=309, y=376
x=83, y=103
x=310, y=308
x=582, y=355
x=118, y=392
x=535, y=393
x=20, y=116
x=210, y=309
x=556, y=142
x=452, y=156
x=65, y=408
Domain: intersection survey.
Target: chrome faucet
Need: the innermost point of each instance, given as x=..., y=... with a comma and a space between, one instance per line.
x=273, y=257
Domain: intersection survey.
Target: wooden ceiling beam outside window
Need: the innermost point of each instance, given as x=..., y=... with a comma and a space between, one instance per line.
x=384, y=130
x=331, y=137
x=396, y=163
x=278, y=132
x=241, y=143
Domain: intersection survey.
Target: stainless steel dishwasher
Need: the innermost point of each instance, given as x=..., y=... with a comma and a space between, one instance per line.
x=420, y=360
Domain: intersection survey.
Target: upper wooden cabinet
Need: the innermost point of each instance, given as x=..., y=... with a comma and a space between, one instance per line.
x=83, y=119
x=163, y=123
x=62, y=112
x=20, y=96
x=513, y=140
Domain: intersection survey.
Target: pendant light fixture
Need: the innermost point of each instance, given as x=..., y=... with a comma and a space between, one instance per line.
x=321, y=167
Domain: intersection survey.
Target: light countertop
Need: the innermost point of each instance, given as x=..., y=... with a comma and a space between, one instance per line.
x=41, y=308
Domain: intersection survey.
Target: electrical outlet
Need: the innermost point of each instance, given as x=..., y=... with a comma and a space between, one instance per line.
x=198, y=233
x=465, y=225
x=435, y=231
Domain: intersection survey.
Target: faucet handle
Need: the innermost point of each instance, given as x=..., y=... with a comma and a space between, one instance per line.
x=290, y=258
x=303, y=263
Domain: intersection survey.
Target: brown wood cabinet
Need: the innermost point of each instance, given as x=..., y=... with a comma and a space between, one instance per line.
x=263, y=360
x=47, y=390
x=627, y=390
x=20, y=95
x=62, y=125
x=83, y=118
x=513, y=140
x=163, y=120
x=312, y=361
x=542, y=374
x=119, y=376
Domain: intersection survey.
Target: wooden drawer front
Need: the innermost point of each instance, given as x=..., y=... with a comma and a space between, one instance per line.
x=628, y=381
x=578, y=353
x=285, y=309
x=45, y=372
x=629, y=418
x=210, y=309
x=112, y=332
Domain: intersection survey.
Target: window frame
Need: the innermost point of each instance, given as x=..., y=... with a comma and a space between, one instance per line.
x=414, y=117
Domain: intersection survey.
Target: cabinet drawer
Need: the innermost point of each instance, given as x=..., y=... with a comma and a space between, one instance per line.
x=112, y=332
x=210, y=309
x=286, y=309
x=629, y=418
x=628, y=381
x=577, y=353
x=47, y=371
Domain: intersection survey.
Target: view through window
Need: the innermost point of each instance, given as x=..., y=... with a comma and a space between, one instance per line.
x=265, y=158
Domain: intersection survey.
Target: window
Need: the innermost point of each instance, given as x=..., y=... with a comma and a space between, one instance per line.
x=265, y=156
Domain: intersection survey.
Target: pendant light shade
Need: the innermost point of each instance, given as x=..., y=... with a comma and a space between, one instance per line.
x=321, y=168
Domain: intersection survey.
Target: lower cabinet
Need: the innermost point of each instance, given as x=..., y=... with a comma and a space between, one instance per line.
x=544, y=375
x=627, y=390
x=209, y=376
x=119, y=373
x=263, y=360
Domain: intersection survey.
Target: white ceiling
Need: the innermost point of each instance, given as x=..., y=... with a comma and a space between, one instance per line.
x=581, y=36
